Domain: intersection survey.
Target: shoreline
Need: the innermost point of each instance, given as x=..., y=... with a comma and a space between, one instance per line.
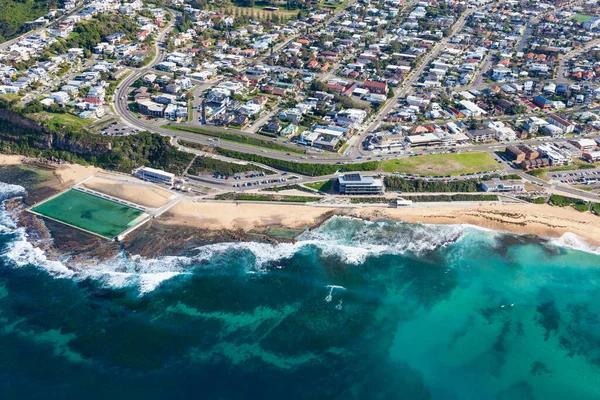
x=245, y=218
x=541, y=220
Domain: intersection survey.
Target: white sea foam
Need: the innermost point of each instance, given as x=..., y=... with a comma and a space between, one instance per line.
x=8, y=191
x=351, y=240
x=119, y=272
x=575, y=242
x=145, y=274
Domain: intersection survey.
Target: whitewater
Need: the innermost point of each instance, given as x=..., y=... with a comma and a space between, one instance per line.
x=351, y=240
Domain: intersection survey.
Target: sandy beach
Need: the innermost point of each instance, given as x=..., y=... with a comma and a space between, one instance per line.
x=66, y=174
x=130, y=189
x=541, y=220
x=227, y=215
x=521, y=218
x=10, y=160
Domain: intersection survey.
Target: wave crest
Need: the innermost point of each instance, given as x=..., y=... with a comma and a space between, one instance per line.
x=575, y=242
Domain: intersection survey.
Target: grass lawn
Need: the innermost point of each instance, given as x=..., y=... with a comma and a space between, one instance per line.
x=324, y=186
x=582, y=18
x=63, y=119
x=264, y=197
x=238, y=138
x=442, y=164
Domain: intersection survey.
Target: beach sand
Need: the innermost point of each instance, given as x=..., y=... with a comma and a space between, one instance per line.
x=130, y=189
x=10, y=160
x=520, y=218
x=70, y=174
x=226, y=215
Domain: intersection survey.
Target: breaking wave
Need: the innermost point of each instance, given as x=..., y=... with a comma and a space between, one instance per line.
x=145, y=274
x=575, y=242
x=349, y=239
x=352, y=240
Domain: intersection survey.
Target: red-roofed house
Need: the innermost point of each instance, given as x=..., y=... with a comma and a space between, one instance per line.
x=376, y=87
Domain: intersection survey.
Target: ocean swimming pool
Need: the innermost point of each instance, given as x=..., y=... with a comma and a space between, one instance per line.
x=90, y=213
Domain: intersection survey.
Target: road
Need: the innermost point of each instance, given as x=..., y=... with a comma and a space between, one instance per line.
x=75, y=10
x=561, y=72
x=406, y=86
x=326, y=158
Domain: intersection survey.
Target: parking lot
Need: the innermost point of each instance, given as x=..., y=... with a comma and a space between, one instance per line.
x=586, y=177
x=118, y=129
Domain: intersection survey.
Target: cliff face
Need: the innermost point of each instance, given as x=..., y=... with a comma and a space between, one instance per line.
x=18, y=130
x=19, y=135
x=73, y=145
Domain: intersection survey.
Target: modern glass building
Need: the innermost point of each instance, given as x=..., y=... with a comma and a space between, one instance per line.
x=356, y=184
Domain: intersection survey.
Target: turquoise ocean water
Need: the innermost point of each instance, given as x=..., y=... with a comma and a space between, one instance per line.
x=354, y=310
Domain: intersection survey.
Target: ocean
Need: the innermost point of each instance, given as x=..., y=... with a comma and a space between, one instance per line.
x=352, y=310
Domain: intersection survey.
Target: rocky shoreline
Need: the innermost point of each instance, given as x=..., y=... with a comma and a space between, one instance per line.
x=153, y=240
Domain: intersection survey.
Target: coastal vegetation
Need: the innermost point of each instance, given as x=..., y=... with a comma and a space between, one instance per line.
x=398, y=184
x=266, y=197
x=428, y=198
x=454, y=197
x=294, y=186
x=442, y=164
x=88, y=34
x=118, y=153
x=238, y=138
x=301, y=168
x=534, y=200
x=205, y=164
x=14, y=14
x=563, y=201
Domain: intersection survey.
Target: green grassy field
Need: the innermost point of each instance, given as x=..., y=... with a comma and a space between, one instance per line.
x=88, y=212
x=582, y=18
x=324, y=186
x=442, y=164
x=238, y=138
x=63, y=119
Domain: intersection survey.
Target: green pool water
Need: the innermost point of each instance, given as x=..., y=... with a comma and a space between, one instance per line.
x=91, y=213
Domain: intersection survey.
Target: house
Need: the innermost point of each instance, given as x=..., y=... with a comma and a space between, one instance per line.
x=141, y=93
x=59, y=97
x=515, y=154
x=592, y=156
x=376, y=87
x=584, y=144
x=240, y=120
x=272, y=127
x=115, y=38
x=481, y=135
x=562, y=123
x=289, y=130
x=498, y=185
x=542, y=102
x=148, y=107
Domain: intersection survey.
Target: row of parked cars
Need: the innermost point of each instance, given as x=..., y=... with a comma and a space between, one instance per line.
x=258, y=183
x=587, y=177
